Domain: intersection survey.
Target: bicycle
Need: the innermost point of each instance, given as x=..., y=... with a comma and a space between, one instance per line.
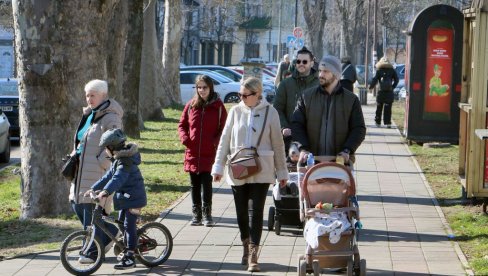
x=155, y=243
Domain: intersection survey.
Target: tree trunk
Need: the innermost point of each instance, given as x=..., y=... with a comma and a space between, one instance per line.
x=118, y=27
x=54, y=63
x=171, y=53
x=151, y=86
x=132, y=69
x=315, y=18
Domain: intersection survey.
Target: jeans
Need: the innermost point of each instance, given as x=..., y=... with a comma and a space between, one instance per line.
x=384, y=108
x=84, y=213
x=256, y=192
x=130, y=227
x=199, y=181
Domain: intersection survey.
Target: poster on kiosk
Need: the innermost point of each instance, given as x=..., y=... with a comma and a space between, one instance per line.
x=433, y=69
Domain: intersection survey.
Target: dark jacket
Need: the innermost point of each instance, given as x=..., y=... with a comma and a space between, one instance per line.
x=349, y=72
x=384, y=70
x=288, y=92
x=124, y=179
x=199, y=130
x=327, y=124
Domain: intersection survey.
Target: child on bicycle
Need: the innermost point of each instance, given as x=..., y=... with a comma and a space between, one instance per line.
x=125, y=180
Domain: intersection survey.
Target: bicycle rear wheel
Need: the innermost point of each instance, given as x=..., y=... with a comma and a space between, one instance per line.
x=71, y=251
x=155, y=244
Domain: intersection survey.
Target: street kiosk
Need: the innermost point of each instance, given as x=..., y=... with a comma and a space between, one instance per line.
x=473, y=106
x=433, y=75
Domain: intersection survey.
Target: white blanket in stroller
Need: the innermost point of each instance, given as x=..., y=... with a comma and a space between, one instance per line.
x=334, y=224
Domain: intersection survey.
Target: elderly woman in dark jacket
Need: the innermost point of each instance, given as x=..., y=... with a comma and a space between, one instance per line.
x=200, y=127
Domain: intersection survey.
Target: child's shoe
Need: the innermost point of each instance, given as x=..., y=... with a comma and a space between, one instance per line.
x=128, y=261
x=86, y=259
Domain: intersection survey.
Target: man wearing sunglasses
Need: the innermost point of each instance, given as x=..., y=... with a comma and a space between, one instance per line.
x=328, y=119
x=290, y=89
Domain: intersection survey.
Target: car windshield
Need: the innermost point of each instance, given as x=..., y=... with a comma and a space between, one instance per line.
x=8, y=89
x=220, y=78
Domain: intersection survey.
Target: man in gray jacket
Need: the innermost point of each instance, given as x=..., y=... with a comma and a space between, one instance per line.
x=328, y=119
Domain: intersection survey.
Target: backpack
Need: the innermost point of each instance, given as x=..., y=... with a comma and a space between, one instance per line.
x=386, y=82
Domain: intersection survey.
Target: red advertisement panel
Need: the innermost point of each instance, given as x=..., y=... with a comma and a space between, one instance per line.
x=485, y=182
x=438, y=76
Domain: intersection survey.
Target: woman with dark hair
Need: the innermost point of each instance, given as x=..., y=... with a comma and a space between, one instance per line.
x=200, y=127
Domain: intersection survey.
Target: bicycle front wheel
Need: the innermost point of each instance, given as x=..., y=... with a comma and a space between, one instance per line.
x=155, y=244
x=73, y=258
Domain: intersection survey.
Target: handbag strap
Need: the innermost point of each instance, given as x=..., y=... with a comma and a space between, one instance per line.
x=264, y=124
x=259, y=139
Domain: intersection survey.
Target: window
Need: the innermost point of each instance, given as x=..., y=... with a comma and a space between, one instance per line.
x=187, y=78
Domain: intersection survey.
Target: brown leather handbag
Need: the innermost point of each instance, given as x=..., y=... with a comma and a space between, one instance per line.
x=245, y=162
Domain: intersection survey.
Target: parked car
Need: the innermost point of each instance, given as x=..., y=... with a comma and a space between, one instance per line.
x=400, y=86
x=9, y=104
x=4, y=138
x=400, y=70
x=360, y=74
x=226, y=88
x=268, y=87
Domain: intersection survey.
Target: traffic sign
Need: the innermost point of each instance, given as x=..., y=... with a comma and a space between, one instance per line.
x=299, y=43
x=290, y=41
x=297, y=32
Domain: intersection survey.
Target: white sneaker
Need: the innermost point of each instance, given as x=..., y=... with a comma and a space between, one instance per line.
x=85, y=260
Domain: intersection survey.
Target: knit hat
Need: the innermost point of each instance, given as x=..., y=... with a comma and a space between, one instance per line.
x=333, y=64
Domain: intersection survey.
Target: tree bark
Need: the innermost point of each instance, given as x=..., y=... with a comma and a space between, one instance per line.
x=151, y=86
x=132, y=70
x=171, y=53
x=54, y=63
x=315, y=18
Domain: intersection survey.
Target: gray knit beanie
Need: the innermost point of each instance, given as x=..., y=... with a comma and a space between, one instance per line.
x=333, y=64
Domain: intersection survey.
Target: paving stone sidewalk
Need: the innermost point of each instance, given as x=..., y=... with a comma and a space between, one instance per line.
x=404, y=230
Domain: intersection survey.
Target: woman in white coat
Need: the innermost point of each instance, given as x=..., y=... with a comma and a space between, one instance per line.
x=242, y=129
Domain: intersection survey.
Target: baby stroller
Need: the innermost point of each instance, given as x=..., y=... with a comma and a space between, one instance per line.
x=329, y=208
x=286, y=209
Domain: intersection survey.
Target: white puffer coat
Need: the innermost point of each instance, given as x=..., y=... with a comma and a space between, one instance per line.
x=242, y=129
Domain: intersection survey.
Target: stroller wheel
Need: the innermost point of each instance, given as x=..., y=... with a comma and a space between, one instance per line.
x=350, y=267
x=362, y=268
x=277, y=227
x=316, y=267
x=302, y=267
x=271, y=218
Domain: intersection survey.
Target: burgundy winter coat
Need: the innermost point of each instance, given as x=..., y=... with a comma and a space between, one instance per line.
x=199, y=130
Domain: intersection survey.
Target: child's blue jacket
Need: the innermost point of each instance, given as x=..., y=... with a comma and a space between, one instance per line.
x=124, y=179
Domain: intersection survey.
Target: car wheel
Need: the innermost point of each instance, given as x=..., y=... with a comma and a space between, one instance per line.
x=232, y=98
x=5, y=156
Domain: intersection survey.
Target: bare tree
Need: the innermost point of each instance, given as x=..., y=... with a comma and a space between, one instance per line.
x=219, y=25
x=171, y=53
x=351, y=15
x=315, y=14
x=151, y=85
x=132, y=69
x=53, y=66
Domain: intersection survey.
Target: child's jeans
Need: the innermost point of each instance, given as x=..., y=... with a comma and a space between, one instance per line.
x=130, y=227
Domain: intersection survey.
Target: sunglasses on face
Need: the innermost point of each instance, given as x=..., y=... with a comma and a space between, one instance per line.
x=248, y=95
x=299, y=61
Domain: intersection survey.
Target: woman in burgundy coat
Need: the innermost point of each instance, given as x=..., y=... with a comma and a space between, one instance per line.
x=200, y=127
